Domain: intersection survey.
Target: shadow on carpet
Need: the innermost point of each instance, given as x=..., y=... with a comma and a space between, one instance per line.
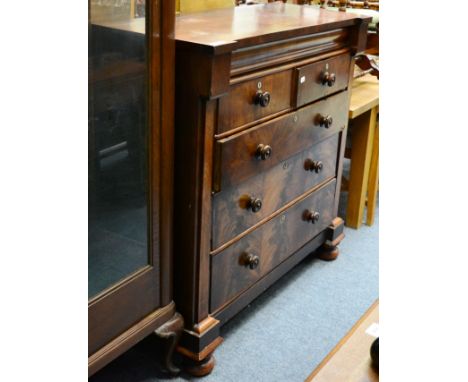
x=286, y=332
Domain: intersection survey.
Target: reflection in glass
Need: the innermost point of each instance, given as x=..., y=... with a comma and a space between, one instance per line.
x=117, y=142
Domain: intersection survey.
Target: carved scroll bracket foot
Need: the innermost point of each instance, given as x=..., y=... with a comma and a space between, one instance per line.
x=170, y=334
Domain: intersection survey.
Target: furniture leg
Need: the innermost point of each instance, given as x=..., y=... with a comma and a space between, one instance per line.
x=197, y=346
x=170, y=332
x=362, y=140
x=373, y=179
x=202, y=367
x=202, y=363
x=329, y=250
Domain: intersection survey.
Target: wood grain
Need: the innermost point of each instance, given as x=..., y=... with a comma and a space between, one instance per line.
x=238, y=108
x=129, y=338
x=278, y=53
x=236, y=155
x=273, y=242
x=309, y=79
x=363, y=115
x=276, y=187
x=364, y=95
x=373, y=182
x=122, y=315
x=362, y=139
x=227, y=29
x=221, y=55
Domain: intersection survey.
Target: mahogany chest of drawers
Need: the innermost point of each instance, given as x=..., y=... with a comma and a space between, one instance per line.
x=261, y=115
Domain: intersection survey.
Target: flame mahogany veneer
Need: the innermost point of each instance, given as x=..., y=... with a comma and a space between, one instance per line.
x=261, y=117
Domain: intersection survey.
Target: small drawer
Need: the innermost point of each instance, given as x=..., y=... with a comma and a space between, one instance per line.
x=262, y=147
x=322, y=78
x=239, y=208
x=247, y=260
x=253, y=100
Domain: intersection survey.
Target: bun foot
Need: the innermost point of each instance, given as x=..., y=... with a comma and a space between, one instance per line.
x=200, y=368
x=328, y=252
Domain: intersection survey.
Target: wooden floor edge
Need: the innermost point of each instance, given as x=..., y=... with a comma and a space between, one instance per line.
x=342, y=341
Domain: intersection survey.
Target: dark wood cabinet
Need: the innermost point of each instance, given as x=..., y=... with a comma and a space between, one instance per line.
x=261, y=117
x=130, y=161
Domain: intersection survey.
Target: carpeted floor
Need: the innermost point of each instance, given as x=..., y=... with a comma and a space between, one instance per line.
x=285, y=333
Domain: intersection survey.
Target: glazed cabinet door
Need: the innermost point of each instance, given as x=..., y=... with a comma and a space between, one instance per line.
x=129, y=164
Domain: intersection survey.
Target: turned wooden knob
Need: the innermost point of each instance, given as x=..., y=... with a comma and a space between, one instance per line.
x=254, y=204
x=328, y=79
x=315, y=165
x=326, y=120
x=250, y=260
x=263, y=151
x=262, y=98
x=313, y=216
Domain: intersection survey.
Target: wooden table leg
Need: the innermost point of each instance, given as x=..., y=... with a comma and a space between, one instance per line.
x=373, y=184
x=362, y=139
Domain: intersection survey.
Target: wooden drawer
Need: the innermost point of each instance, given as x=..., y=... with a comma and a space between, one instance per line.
x=312, y=79
x=234, y=210
x=239, y=107
x=237, y=156
x=272, y=243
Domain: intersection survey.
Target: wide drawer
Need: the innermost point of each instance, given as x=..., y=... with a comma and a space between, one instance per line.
x=238, y=208
x=322, y=78
x=244, y=262
x=249, y=101
x=262, y=147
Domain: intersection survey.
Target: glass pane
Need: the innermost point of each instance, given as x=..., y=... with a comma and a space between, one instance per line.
x=117, y=142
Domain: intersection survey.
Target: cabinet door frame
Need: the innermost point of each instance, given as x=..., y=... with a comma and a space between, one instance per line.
x=136, y=299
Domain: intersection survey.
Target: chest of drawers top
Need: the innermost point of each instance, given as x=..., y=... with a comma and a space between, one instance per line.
x=228, y=29
x=254, y=37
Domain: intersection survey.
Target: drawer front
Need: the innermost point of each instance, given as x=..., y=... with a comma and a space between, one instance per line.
x=322, y=78
x=238, y=208
x=244, y=155
x=247, y=101
x=233, y=270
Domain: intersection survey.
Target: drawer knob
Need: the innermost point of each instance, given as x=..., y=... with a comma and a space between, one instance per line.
x=328, y=79
x=315, y=165
x=312, y=216
x=255, y=204
x=250, y=260
x=263, y=151
x=326, y=121
x=262, y=98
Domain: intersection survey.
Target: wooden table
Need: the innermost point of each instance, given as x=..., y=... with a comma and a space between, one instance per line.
x=363, y=179
x=350, y=360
